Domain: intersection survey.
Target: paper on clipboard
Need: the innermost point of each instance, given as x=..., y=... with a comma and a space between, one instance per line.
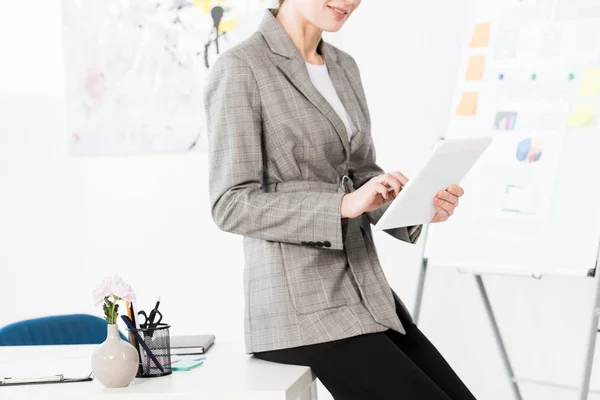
x=44, y=370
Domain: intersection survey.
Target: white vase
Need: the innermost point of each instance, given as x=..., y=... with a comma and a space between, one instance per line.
x=115, y=362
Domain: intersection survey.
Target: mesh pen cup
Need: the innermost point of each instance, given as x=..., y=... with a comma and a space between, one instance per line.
x=157, y=339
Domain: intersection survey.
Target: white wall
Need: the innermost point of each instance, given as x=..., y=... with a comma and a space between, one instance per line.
x=66, y=222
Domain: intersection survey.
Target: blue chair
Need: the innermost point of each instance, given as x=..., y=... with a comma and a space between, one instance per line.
x=55, y=330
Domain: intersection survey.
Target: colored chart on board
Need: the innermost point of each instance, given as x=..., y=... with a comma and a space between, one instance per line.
x=136, y=70
x=505, y=121
x=530, y=150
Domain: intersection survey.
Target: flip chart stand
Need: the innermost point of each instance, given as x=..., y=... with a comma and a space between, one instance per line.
x=584, y=387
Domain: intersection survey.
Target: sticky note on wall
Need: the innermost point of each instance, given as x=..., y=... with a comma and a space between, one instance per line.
x=582, y=116
x=468, y=104
x=475, y=68
x=481, y=35
x=590, y=82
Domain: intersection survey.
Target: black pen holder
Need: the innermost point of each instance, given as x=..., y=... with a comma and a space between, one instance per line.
x=157, y=339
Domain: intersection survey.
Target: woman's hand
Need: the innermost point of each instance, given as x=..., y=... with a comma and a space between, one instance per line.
x=373, y=194
x=445, y=203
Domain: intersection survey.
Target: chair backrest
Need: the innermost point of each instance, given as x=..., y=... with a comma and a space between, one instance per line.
x=55, y=330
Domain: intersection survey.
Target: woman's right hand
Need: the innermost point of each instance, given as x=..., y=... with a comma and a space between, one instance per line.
x=373, y=194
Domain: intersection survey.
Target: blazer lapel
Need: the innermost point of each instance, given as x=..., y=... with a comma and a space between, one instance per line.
x=295, y=70
x=294, y=67
x=345, y=92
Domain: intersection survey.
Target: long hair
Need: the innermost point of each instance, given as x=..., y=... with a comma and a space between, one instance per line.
x=280, y=4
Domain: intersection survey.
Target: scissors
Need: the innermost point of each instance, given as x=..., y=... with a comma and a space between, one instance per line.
x=150, y=320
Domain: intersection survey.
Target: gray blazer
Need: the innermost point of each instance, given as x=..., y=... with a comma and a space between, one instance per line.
x=280, y=162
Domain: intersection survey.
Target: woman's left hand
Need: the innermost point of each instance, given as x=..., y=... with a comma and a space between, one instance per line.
x=445, y=203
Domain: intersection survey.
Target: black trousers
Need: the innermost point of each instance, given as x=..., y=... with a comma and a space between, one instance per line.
x=379, y=366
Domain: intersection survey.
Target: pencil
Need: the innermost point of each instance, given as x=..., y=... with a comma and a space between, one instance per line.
x=129, y=314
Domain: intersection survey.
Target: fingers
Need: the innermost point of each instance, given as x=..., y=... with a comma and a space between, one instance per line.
x=391, y=181
x=444, y=205
x=447, y=196
x=382, y=190
x=456, y=190
x=446, y=202
x=400, y=176
x=441, y=216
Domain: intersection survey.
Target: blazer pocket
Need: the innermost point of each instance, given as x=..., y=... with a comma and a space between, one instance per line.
x=318, y=279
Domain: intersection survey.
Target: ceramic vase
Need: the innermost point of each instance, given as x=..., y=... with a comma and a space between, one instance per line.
x=115, y=362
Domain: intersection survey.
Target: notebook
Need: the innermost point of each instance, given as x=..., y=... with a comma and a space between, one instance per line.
x=193, y=344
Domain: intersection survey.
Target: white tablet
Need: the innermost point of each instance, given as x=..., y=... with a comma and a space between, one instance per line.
x=447, y=164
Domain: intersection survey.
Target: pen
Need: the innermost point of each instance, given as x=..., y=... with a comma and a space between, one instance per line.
x=141, y=341
x=131, y=314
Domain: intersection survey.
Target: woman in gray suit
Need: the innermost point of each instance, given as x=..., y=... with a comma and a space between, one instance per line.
x=292, y=169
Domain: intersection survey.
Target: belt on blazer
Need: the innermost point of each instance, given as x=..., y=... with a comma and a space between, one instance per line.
x=345, y=185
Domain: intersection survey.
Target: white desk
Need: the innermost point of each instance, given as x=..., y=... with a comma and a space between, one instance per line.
x=227, y=374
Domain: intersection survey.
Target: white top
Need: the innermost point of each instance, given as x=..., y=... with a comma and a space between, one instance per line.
x=227, y=373
x=319, y=75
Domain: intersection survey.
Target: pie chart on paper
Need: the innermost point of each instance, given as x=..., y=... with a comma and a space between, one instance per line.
x=530, y=150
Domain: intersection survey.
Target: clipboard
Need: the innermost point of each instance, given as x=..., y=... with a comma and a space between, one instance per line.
x=8, y=381
x=45, y=371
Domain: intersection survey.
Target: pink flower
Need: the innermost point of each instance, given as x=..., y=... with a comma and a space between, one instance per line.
x=123, y=290
x=114, y=286
x=101, y=291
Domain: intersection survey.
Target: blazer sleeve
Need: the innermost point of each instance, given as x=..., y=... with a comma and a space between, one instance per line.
x=236, y=169
x=367, y=170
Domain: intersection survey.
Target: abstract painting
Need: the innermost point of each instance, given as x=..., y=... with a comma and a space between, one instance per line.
x=135, y=70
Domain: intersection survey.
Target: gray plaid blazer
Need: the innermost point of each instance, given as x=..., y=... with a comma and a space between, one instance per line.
x=280, y=162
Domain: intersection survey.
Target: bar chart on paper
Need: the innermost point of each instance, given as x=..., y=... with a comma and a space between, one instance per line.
x=506, y=121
